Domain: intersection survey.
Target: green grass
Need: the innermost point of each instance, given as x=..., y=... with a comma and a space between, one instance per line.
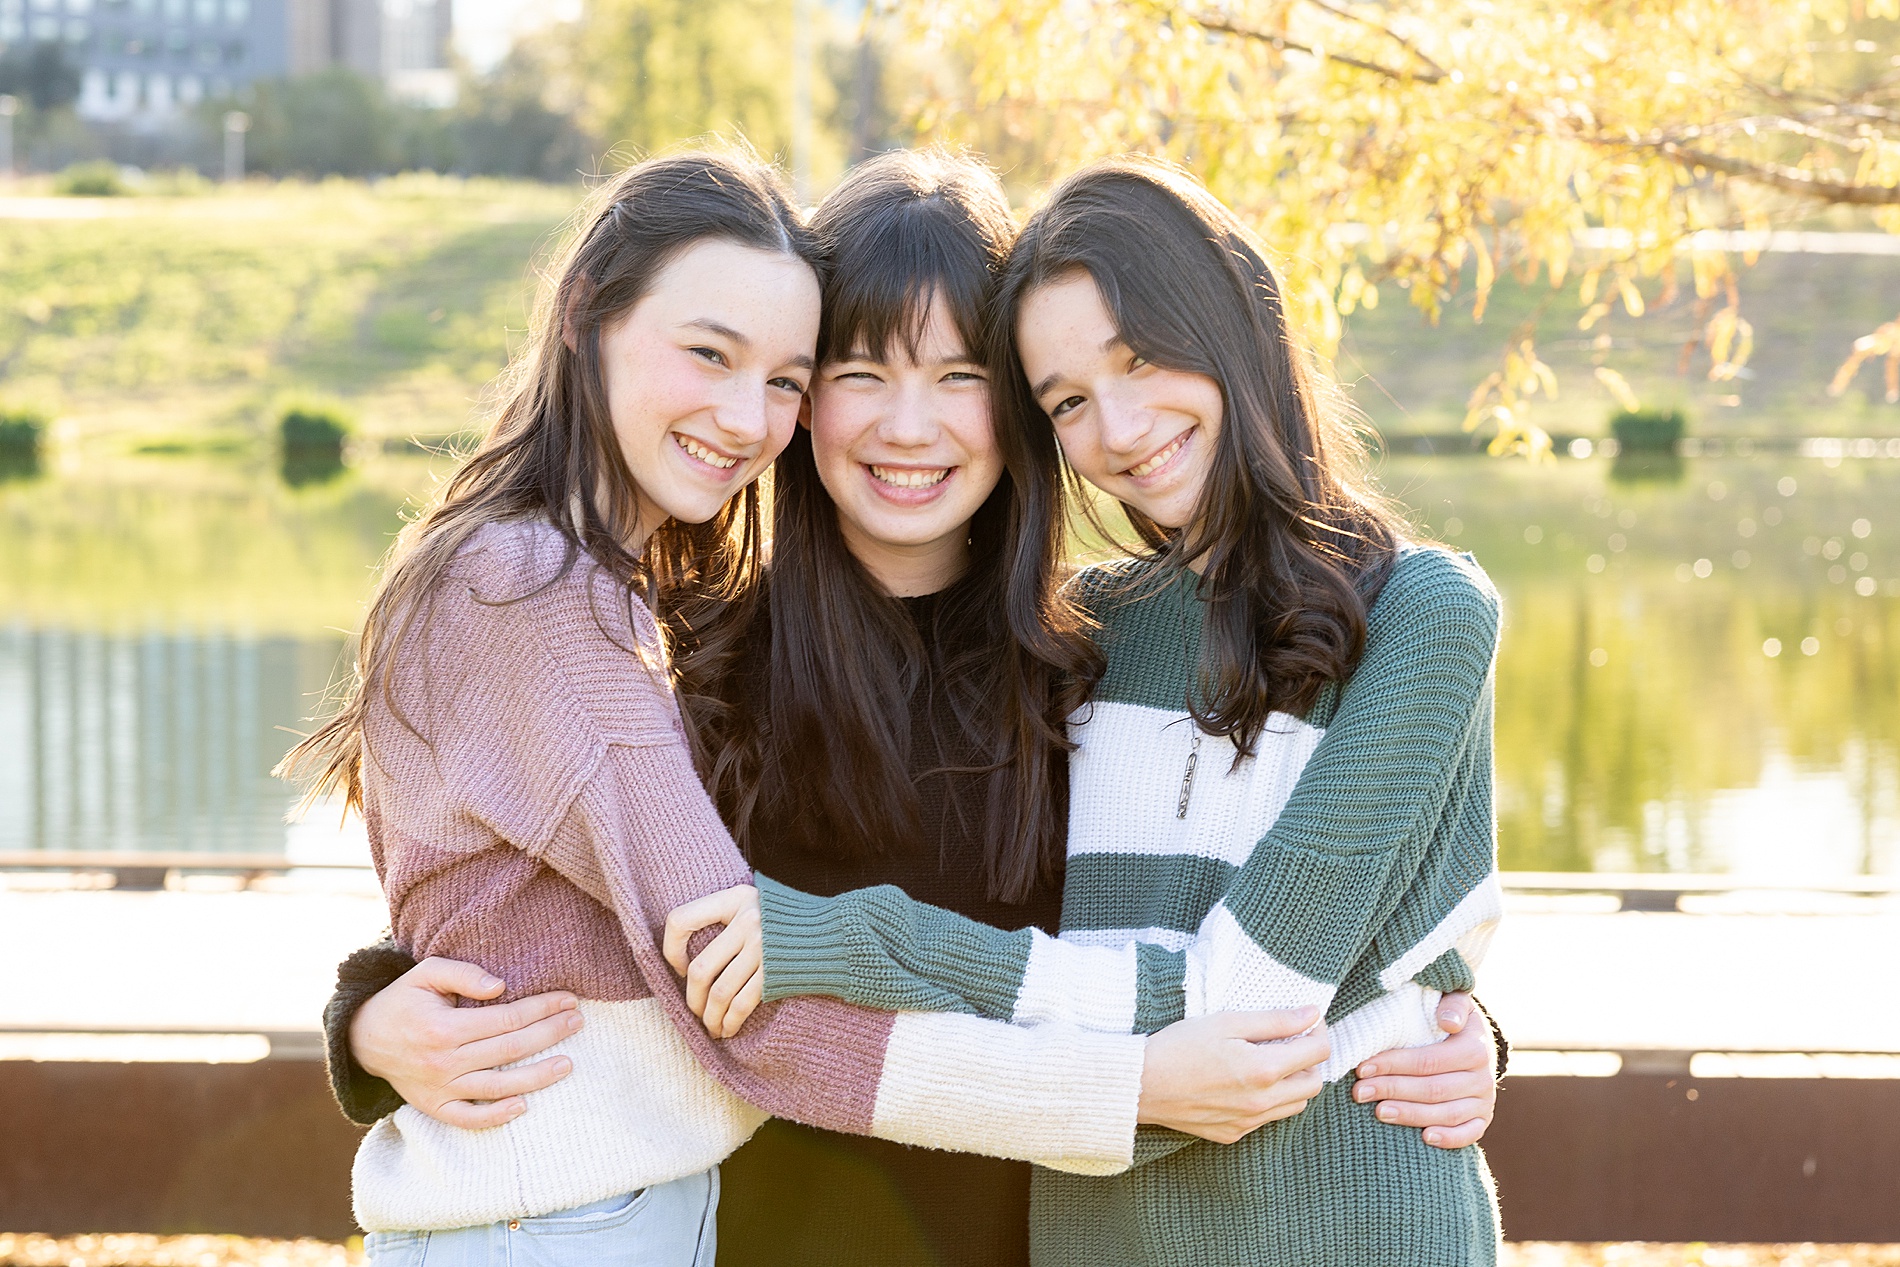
x=206, y=313
x=201, y=313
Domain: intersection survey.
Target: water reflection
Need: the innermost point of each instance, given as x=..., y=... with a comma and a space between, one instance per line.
x=1701, y=675
x=1701, y=672
x=155, y=741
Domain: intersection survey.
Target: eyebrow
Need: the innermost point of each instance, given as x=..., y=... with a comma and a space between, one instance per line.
x=1108, y=345
x=727, y=332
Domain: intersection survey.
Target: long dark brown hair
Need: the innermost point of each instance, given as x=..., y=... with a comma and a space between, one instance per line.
x=824, y=757
x=1295, y=542
x=551, y=453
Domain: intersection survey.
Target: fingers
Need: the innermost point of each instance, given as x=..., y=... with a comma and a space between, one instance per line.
x=473, y=1025
x=1440, y=1089
x=1455, y=1011
x=1467, y=1050
x=1264, y=1027
x=1457, y=1136
x=500, y=1084
x=723, y=992
x=452, y=976
x=1456, y=1113
x=1284, y=1059
x=509, y=1046
x=736, y=939
x=476, y=1117
x=690, y=917
x=745, y=1003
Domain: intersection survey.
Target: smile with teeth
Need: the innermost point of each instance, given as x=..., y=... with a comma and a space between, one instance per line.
x=1159, y=460
x=706, y=455
x=899, y=477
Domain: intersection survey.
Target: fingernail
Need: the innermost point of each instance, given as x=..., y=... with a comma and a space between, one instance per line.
x=563, y=1065
x=1362, y=1092
x=573, y=1022
x=517, y=1111
x=1368, y=1070
x=1431, y=1137
x=1387, y=1112
x=491, y=982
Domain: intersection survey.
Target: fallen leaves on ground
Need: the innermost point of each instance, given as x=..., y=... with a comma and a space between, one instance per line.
x=132, y=1250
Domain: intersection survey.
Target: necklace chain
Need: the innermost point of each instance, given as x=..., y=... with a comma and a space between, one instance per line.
x=1194, y=750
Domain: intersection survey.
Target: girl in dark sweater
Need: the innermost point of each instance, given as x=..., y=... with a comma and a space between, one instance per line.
x=888, y=708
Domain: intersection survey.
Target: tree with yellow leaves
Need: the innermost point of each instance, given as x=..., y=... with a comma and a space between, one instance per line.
x=1432, y=145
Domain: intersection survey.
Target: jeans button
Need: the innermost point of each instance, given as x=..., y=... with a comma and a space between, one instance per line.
x=514, y=1225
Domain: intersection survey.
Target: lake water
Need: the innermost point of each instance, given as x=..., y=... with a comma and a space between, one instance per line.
x=1700, y=673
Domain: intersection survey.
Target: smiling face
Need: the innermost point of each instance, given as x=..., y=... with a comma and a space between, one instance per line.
x=704, y=375
x=1142, y=434
x=903, y=443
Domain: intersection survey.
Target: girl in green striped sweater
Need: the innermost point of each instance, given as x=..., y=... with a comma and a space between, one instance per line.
x=1281, y=792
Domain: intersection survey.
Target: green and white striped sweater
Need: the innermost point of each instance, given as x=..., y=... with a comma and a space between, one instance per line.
x=1350, y=863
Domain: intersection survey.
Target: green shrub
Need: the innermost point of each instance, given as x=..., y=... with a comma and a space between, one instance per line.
x=97, y=179
x=313, y=443
x=21, y=431
x=1648, y=430
x=314, y=427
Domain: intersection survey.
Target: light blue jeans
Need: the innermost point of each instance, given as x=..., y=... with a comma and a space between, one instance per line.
x=668, y=1225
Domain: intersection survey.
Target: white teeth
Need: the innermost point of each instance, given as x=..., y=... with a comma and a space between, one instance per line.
x=705, y=454
x=1160, y=459
x=898, y=478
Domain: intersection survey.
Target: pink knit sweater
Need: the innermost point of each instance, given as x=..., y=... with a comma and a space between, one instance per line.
x=533, y=808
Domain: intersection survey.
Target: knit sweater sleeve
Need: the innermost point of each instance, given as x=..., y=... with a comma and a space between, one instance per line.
x=626, y=819
x=363, y=1097
x=1388, y=782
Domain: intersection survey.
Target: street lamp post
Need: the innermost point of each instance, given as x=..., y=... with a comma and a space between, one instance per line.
x=9, y=106
x=236, y=124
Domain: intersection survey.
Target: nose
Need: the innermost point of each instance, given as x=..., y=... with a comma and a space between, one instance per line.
x=1124, y=423
x=743, y=416
x=910, y=421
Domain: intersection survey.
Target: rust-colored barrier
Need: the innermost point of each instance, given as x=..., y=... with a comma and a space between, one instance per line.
x=1641, y=1157
x=258, y=1149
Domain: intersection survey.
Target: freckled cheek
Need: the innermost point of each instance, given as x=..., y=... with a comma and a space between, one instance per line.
x=839, y=422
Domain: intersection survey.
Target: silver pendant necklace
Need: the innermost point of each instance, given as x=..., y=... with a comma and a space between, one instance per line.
x=1194, y=750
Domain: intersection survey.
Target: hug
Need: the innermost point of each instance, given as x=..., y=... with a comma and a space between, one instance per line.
x=1014, y=911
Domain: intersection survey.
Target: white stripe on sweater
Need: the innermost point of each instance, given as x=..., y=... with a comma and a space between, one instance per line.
x=1060, y=1097
x=1468, y=927
x=1407, y=1017
x=1126, y=779
x=1228, y=971
x=1166, y=938
x=1093, y=987
x=637, y=1110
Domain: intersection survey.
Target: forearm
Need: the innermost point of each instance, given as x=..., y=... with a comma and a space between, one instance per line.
x=363, y=1097
x=1061, y=1098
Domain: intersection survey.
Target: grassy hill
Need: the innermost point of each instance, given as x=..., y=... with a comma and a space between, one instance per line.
x=188, y=321
x=194, y=318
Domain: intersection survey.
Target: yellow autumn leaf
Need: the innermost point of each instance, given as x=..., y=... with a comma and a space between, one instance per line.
x=1619, y=388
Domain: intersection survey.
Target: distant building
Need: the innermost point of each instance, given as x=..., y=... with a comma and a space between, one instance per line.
x=141, y=61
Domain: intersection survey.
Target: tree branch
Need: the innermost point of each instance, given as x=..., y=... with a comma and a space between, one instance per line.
x=1436, y=71
x=1777, y=176
x=1430, y=74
